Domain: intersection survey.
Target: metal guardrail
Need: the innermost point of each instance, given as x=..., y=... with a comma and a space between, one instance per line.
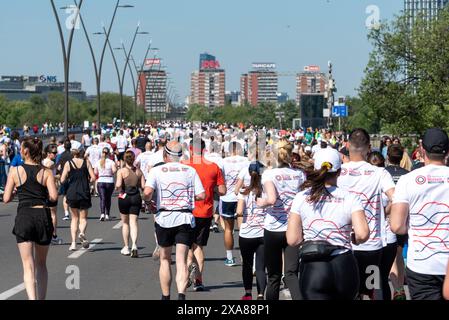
x=76, y=130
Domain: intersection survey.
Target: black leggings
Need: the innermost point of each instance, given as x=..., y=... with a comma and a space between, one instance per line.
x=387, y=260
x=275, y=243
x=365, y=261
x=336, y=279
x=105, y=190
x=248, y=247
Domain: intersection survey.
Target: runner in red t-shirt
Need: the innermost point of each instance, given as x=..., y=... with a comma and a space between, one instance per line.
x=211, y=176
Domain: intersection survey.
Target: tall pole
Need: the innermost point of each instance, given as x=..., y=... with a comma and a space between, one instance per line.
x=98, y=70
x=124, y=72
x=66, y=57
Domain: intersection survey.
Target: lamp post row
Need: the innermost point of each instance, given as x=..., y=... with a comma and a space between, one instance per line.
x=99, y=66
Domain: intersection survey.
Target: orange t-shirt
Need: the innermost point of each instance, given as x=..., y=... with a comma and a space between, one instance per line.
x=210, y=176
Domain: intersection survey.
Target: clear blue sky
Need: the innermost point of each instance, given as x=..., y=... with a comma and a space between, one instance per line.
x=291, y=33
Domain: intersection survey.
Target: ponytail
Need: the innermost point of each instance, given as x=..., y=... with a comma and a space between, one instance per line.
x=255, y=186
x=316, y=182
x=35, y=149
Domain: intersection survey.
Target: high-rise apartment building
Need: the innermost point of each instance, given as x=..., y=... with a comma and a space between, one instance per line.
x=428, y=8
x=152, y=92
x=208, y=85
x=260, y=85
x=311, y=81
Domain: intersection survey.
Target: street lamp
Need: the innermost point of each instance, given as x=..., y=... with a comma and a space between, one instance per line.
x=66, y=53
x=128, y=54
x=99, y=68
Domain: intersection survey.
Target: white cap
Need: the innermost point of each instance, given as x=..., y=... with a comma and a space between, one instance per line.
x=329, y=157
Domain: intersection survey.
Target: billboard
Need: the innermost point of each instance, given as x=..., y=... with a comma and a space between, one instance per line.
x=152, y=62
x=210, y=64
x=264, y=65
x=312, y=68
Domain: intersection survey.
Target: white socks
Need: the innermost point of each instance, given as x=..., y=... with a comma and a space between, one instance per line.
x=229, y=255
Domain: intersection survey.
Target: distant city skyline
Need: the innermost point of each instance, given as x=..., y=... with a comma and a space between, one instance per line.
x=290, y=33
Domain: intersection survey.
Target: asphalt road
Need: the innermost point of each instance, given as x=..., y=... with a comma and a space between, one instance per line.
x=104, y=273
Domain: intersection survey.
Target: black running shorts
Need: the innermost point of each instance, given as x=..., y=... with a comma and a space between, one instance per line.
x=168, y=237
x=33, y=225
x=202, y=231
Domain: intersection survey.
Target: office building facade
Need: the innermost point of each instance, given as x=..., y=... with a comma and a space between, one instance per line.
x=310, y=82
x=428, y=8
x=17, y=88
x=260, y=85
x=208, y=84
x=152, y=93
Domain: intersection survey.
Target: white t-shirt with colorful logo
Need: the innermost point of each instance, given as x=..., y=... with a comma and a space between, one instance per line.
x=253, y=218
x=176, y=186
x=287, y=182
x=368, y=182
x=426, y=191
x=231, y=169
x=330, y=219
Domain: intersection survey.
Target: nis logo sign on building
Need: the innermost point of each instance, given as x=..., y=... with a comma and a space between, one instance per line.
x=48, y=79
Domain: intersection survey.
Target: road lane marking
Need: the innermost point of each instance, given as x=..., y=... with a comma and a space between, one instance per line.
x=80, y=252
x=118, y=226
x=12, y=292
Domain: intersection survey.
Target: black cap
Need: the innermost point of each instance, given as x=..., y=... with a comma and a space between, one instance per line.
x=436, y=141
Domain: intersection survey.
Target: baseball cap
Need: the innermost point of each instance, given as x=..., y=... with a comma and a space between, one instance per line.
x=436, y=141
x=328, y=157
x=256, y=167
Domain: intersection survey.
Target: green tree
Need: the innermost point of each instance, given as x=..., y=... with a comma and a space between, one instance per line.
x=406, y=83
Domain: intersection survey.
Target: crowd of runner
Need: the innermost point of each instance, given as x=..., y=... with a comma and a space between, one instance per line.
x=321, y=213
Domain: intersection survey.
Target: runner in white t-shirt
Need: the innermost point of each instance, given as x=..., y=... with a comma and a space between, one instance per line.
x=421, y=206
x=93, y=153
x=177, y=187
x=368, y=183
x=121, y=144
x=251, y=240
x=324, y=216
x=145, y=159
x=228, y=204
x=281, y=186
x=391, y=244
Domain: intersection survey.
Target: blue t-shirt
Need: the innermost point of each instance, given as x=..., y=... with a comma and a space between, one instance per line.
x=17, y=161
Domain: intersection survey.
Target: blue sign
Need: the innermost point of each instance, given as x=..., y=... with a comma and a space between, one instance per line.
x=340, y=112
x=48, y=79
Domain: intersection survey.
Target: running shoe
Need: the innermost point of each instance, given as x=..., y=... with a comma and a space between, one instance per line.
x=73, y=247
x=83, y=240
x=66, y=218
x=134, y=253
x=198, y=286
x=193, y=270
x=125, y=251
x=260, y=297
x=156, y=253
x=56, y=240
x=246, y=298
x=399, y=295
x=102, y=217
x=107, y=218
x=230, y=263
x=215, y=228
